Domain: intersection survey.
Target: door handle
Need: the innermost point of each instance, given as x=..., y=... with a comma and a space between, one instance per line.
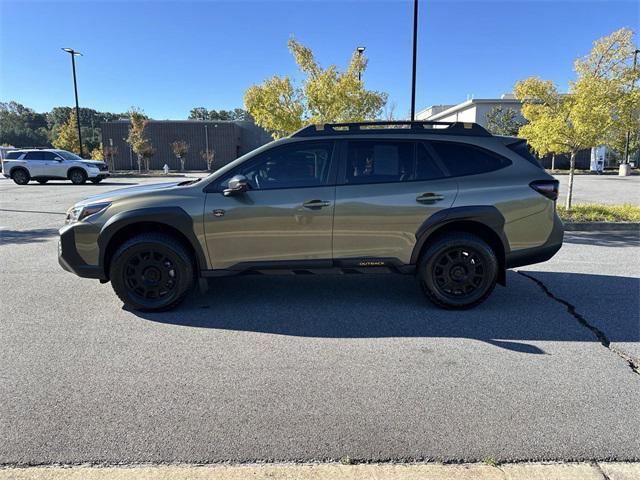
x=316, y=204
x=429, y=197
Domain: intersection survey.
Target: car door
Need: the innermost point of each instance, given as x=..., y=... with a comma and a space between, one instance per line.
x=36, y=163
x=386, y=190
x=54, y=165
x=283, y=219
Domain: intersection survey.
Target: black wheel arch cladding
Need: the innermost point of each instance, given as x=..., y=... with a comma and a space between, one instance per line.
x=173, y=217
x=486, y=216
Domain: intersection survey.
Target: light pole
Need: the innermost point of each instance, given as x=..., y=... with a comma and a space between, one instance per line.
x=415, y=48
x=625, y=161
x=73, y=54
x=360, y=51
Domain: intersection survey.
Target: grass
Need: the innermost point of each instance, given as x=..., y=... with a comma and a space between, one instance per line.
x=597, y=212
x=492, y=462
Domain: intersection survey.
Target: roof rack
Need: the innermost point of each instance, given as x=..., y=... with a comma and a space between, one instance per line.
x=393, y=127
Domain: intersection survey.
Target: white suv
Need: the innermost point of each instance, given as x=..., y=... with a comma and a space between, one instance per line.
x=43, y=165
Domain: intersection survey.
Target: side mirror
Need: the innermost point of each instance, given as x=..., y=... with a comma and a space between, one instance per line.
x=237, y=184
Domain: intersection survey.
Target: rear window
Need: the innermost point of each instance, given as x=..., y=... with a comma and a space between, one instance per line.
x=33, y=156
x=13, y=155
x=462, y=159
x=523, y=149
x=379, y=161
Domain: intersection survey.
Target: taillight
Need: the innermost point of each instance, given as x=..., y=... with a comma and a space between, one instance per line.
x=548, y=188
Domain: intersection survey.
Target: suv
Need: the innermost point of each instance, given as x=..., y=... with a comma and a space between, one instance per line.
x=42, y=165
x=449, y=203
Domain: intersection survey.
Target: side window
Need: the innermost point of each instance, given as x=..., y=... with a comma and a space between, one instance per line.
x=379, y=162
x=426, y=167
x=48, y=156
x=13, y=155
x=462, y=159
x=34, y=155
x=291, y=166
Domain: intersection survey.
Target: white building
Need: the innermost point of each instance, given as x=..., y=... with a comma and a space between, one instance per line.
x=476, y=110
x=473, y=110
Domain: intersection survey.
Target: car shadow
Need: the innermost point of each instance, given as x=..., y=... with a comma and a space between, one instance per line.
x=370, y=306
x=604, y=239
x=13, y=237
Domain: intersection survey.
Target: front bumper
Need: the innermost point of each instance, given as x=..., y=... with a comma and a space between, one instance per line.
x=97, y=174
x=529, y=256
x=70, y=259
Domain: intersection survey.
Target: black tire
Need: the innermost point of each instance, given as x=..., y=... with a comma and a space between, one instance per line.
x=458, y=271
x=96, y=181
x=20, y=176
x=152, y=272
x=43, y=181
x=77, y=176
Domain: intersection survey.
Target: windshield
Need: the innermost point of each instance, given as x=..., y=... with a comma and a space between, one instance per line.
x=68, y=155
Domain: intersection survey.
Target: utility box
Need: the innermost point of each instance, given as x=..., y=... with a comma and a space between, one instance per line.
x=598, y=158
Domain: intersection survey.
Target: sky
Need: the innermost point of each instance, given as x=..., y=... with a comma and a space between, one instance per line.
x=167, y=57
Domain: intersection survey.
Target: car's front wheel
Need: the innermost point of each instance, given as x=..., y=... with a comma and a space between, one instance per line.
x=458, y=271
x=20, y=176
x=152, y=272
x=77, y=176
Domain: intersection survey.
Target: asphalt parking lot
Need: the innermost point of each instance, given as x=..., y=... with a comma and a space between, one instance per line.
x=609, y=189
x=314, y=368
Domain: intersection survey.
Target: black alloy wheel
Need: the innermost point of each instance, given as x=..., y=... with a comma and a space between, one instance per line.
x=458, y=271
x=152, y=272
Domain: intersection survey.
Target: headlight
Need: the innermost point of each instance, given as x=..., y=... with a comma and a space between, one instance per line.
x=76, y=214
x=91, y=165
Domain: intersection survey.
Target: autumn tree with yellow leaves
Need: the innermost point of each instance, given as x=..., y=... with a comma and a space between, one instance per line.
x=325, y=95
x=600, y=102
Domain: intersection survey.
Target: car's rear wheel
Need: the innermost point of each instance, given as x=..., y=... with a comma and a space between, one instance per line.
x=42, y=181
x=152, y=272
x=20, y=176
x=96, y=180
x=458, y=271
x=77, y=176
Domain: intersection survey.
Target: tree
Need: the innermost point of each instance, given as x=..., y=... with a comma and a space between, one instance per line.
x=208, y=157
x=97, y=153
x=67, y=135
x=610, y=70
x=586, y=116
x=22, y=127
x=201, y=113
x=140, y=145
x=326, y=95
x=503, y=121
x=180, y=149
x=109, y=153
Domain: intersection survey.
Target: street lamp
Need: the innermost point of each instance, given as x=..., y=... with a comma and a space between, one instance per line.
x=415, y=48
x=360, y=51
x=624, y=170
x=73, y=54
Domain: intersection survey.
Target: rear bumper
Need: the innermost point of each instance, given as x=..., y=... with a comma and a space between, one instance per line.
x=69, y=258
x=539, y=254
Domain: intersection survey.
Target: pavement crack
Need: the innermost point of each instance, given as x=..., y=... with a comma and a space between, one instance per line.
x=633, y=363
x=597, y=466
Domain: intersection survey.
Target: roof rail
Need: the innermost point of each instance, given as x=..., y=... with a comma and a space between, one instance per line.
x=33, y=148
x=393, y=127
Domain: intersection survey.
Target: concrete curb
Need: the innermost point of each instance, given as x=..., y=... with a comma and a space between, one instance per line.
x=333, y=471
x=601, y=226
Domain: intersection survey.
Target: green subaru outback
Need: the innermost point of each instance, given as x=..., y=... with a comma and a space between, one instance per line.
x=450, y=203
